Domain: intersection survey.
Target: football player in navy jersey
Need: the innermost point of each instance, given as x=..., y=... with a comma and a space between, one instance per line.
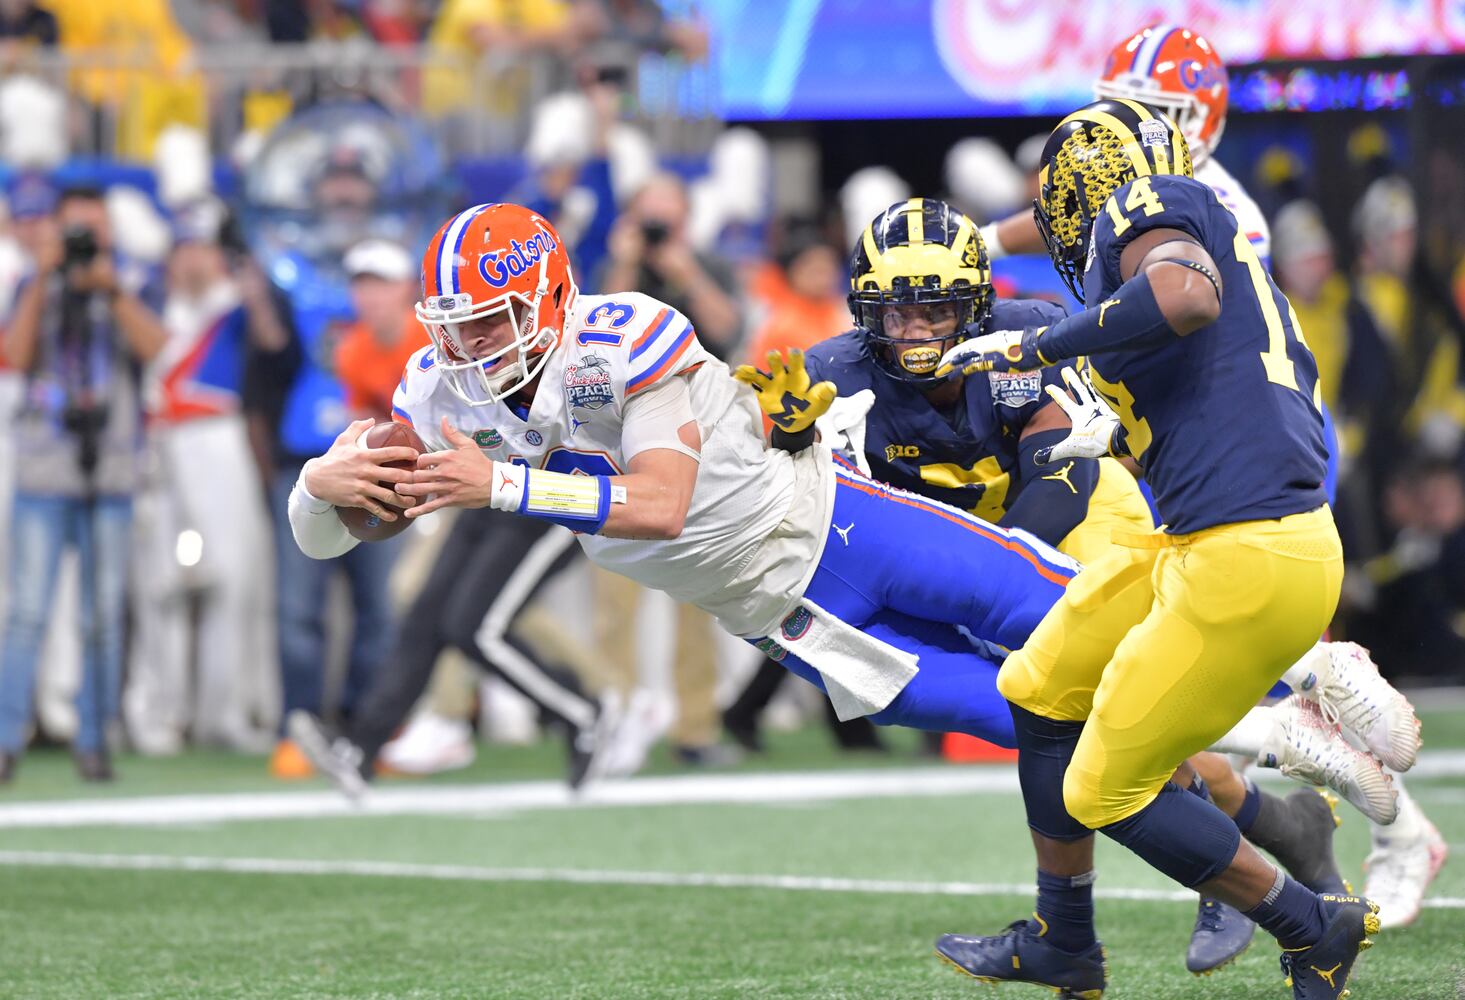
x=971, y=442
x=920, y=282
x=1167, y=640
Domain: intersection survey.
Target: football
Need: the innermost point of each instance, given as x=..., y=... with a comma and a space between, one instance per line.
x=362, y=523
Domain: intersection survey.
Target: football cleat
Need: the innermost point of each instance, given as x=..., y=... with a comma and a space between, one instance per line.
x=1020, y=955
x=1306, y=746
x=1372, y=715
x=1400, y=873
x=1320, y=972
x=591, y=746
x=333, y=755
x=1221, y=934
x=430, y=744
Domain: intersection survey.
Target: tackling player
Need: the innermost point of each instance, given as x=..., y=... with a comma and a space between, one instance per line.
x=1176, y=70
x=1188, y=627
x=919, y=285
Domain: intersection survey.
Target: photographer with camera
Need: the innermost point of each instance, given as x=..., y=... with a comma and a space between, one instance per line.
x=651, y=252
x=80, y=336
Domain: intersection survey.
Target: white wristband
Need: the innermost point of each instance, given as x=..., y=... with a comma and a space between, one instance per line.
x=508, y=486
x=995, y=249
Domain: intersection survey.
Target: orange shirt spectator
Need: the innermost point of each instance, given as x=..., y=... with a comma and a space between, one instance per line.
x=811, y=305
x=375, y=349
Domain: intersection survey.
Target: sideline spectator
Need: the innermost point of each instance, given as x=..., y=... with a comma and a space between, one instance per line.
x=296, y=408
x=201, y=583
x=650, y=252
x=80, y=336
x=806, y=294
x=24, y=25
x=374, y=349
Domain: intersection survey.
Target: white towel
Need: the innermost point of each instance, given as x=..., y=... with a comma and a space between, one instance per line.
x=862, y=674
x=842, y=427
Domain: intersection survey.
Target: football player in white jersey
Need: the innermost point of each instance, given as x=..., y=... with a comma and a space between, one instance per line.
x=1176, y=70
x=604, y=414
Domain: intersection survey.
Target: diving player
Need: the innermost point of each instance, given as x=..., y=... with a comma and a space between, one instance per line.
x=604, y=414
x=1167, y=640
x=919, y=284
x=1176, y=70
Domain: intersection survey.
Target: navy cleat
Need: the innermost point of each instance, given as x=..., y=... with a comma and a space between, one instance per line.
x=1020, y=955
x=1320, y=972
x=1221, y=934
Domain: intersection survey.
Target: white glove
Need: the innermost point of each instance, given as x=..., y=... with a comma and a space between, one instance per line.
x=1096, y=428
x=842, y=426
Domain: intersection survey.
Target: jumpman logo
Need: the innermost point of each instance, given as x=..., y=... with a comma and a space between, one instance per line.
x=1104, y=307
x=576, y=423
x=1328, y=974
x=1061, y=476
x=843, y=532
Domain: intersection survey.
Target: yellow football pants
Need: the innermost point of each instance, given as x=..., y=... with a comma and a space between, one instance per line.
x=1165, y=641
x=1116, y=505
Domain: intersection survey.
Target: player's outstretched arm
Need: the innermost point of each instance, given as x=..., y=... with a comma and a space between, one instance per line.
x=1017, y=234
x=347, y=475
x=649, y=501
x=1170, y=290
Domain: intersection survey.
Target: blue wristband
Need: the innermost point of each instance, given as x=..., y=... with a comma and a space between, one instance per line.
x=1130, y=319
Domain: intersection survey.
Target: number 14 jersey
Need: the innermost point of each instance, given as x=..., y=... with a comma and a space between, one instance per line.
x=1225, y=422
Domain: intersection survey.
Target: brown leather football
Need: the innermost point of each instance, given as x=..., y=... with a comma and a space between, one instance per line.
x=362, y=523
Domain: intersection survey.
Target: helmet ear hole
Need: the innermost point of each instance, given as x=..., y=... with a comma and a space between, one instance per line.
x=559, y=291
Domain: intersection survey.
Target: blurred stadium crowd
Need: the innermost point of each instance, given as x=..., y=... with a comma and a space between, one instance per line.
x=208, y=263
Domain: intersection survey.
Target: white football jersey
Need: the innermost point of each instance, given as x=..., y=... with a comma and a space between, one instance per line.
x=758, y=517
x=1230, y=193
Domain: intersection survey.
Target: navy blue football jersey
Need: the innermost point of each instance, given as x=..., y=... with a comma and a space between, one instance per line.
x=1225, y=422
x=964, y=456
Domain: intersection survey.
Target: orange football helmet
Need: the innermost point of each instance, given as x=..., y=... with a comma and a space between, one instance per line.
x=490, y=259
x=1176, y=70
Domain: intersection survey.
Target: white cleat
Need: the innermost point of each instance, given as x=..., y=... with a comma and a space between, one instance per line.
x=1306, y=746
x=431, y=744
x=1373, y=715
x=1399, y=874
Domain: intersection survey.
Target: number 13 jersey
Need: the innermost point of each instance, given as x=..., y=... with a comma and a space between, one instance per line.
x=758, y=517
x=1225, y=422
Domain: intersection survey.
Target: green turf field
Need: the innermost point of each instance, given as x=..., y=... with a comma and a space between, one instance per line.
x=803, y=875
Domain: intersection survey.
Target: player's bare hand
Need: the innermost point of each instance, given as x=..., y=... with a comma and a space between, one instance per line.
x=349, y=475
x=785, y=392
x=1096, y=428
x=461, y=476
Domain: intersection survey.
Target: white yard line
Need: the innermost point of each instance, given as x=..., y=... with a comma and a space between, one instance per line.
x=578, y=876
x=459, y=800
x=478, y=800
